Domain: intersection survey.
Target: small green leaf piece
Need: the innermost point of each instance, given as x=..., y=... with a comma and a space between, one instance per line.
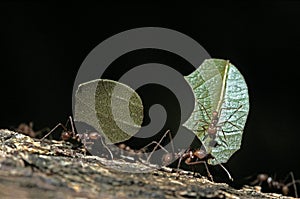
x=112, y=108
x=219, y=86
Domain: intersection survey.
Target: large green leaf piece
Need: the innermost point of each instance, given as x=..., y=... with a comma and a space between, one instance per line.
x=112, y=108
x=219, y=86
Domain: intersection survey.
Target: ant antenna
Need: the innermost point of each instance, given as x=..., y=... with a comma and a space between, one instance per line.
x=106, y=147
x=58, y=125
x=227, y=172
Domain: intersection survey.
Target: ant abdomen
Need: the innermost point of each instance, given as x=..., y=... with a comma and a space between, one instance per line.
x=167, y=159
x=200, y=154
x=65, y=136
x=93, y=135
x=285, y=190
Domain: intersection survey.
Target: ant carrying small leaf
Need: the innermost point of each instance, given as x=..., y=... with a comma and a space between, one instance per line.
x=71, y=136
x=220, y=93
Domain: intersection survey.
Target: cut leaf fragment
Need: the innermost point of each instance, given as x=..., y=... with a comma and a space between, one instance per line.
x=218, y=86
x=112, y=108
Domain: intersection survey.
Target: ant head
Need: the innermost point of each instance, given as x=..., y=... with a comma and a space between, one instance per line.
x=200, y=154
x=167, y=159
x=24, y=127
x=263, y=177
x=66, y=135
x=212, y=130
x=122, y=146
x=93, y=135
x=269, y=180
x=285, y=190
x=215, y=114
x=211, y=126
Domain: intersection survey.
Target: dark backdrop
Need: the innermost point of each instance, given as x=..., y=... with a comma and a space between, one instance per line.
x=43, y=45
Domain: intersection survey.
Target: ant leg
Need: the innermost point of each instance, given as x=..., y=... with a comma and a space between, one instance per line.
x=227, y=172
x=178, y=165
x=295, y=187
x=31, y=125
x=3, y=145
x=41, y=131
x=208, y=115
x=255, y=182
x=67, y=122
x=157, y=144
x=58, y=125
x=197, y=122
x=202, y=162
x=260, y=178
x=106, y=147
x=172, y=145
x=292, y=183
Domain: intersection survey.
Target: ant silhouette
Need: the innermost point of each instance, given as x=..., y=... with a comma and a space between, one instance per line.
x=71, y=136
x=277, y=185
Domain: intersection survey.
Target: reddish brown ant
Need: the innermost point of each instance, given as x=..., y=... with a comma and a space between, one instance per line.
x=276, y=185
x=27, y=129
x=84, y=138
x=191, y=157
x=88, y=139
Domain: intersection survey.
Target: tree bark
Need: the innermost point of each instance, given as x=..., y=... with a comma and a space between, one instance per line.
x=52, y=169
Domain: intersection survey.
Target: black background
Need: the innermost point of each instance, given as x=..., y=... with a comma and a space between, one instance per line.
x=42, y=46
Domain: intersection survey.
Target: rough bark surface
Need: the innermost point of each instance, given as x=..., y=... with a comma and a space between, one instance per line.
x=52, y=169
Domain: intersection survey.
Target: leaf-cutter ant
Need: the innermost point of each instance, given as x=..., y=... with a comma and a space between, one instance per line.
x=27, y=129
x=190, y=157
x=84, y=138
